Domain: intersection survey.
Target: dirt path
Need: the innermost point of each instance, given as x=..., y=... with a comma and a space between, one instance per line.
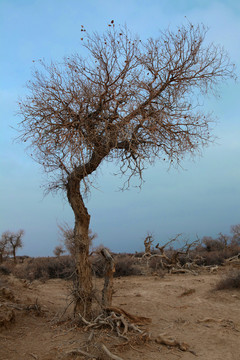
x=184, y=307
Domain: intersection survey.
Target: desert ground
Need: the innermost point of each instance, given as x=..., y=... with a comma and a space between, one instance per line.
x=182, y=307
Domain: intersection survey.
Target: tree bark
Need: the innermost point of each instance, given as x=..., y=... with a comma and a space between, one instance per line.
x=83, y=288
x=107, y=291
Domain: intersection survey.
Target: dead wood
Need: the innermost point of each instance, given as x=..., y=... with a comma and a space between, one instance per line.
x=138, y=320
x=118, y=320
x=233, y=259
x=162, y=339
x=59, y=317
x=22, y=307
x=171, y=261
x=107, y=291
x=147, y=244
x=111, y=355
x=183, y=271
x=33, y=355
x=80, y=352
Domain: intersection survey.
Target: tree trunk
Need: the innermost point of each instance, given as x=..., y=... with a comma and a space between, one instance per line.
x=83, y=286
x=14, y=255
x=107, y=291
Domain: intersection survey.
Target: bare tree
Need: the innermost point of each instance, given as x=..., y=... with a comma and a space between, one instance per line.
x=131, y=101
x=3, y=247
x=58, y=251
x=13, y=241
x=224, y=239
x=147, y=244
x=235, y=230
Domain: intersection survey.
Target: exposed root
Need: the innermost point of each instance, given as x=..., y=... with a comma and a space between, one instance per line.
x=117, y=320
x=80, y=352
x=111, y=355
x=33, y=355
x=139, y=320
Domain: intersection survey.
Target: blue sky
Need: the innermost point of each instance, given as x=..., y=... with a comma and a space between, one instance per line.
x=202, y=198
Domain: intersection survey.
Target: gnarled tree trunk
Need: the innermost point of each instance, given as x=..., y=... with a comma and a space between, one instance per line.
x=83, y=290
x=107, y=291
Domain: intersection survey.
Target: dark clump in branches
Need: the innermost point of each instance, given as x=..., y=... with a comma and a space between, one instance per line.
x=130, y=101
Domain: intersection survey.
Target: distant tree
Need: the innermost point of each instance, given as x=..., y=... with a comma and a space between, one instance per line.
x=58, y=251
x=235, y=230
x=3, y=247
x=224, y=239
x=148, y=243
x=13, y=241
x=212, y=244
x=130, y=101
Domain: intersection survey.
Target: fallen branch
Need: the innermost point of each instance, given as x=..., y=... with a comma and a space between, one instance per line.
x=183, y=271
x=33, y=355
x=161, y=339
x=111, y=355
x=80, y=352
x=233, y=258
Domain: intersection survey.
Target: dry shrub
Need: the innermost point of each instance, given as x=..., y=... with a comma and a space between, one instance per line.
x=63, y=267
x=139, y=254
x=125, y=266
x=231, y=281
x=212, y=258
x=212, y=244
x=216, y=257
x=155, y=263
x=45, y=268
x=7, y=316
x=4, y=270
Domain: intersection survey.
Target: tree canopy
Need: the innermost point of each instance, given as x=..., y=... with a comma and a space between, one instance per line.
x=129, y=100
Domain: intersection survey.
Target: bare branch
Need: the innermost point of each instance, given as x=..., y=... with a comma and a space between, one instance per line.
x=133, y=101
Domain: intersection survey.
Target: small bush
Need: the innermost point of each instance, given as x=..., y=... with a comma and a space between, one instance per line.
x=125, y=266
x=155, y=263
x=5, y=270
x=212, y=244
x=213, y=257
x=231, y=281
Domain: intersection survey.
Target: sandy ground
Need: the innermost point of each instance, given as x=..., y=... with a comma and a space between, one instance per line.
x=184, y=307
